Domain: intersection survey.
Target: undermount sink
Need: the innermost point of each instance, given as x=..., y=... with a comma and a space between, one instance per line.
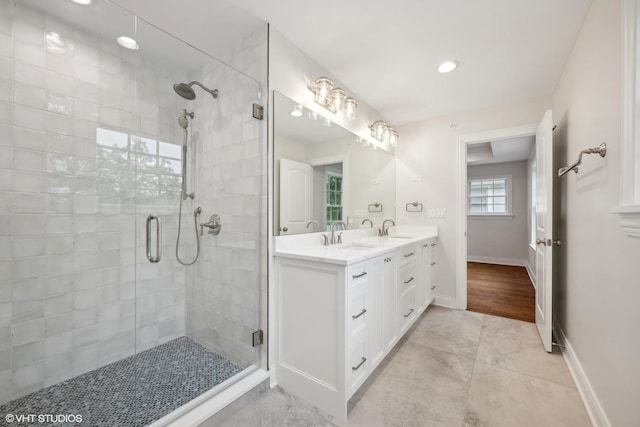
x=400, y=237
x=355, y=246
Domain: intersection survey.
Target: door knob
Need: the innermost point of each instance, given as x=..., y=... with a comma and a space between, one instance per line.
x=541, y=242
x=557, y=242
x=284, y=229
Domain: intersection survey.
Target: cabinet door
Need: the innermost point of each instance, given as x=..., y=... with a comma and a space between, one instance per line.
x=376, y=320
x=424, y=288
x=389, y=308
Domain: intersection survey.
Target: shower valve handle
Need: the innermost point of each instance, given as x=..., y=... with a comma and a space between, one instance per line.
x=214, y=224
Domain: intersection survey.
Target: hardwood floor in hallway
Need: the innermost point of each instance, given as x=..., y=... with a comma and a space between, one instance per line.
x=500, y=290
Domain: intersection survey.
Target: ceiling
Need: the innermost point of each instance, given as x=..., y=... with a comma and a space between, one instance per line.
x=387, y=52
x=500, y=151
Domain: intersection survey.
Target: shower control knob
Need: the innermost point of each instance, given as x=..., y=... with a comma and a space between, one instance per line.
x=214, y=225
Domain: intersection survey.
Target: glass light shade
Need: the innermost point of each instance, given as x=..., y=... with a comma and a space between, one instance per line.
x=350, y=106
x=337, y=100
x=297, y=110
x=377, y=129
x=326, y=122
x=393, y=139
x=386, y=133
x=322, y=88
x=313, y=115
x=82, y=2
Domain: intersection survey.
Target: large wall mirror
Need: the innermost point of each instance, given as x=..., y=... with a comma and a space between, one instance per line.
x=323, y=173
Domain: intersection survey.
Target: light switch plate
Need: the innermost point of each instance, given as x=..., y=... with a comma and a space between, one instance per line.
x=439, y=213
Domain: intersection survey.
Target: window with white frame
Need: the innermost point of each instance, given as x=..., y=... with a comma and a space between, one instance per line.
x=629, y=208
x=489, y=196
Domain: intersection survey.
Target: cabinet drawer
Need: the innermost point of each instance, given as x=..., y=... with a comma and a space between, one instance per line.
x=407, y=310
x=358, y=314
x=358, y=273
x=407, y=277
x=357, y=364
x=408, y=254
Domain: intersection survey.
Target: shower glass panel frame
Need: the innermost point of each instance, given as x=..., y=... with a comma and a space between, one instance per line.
x=90, y=151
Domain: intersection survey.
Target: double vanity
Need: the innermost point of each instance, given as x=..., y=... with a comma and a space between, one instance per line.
x=341, y=308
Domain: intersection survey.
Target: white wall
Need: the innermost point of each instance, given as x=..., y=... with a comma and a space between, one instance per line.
x=597, y=289
x=428, y=150
x=501, y=240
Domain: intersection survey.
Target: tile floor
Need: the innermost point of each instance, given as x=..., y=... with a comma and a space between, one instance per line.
x=453, y=369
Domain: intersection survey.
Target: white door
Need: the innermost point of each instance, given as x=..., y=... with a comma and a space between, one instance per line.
x=295, y=196
x=544, y=228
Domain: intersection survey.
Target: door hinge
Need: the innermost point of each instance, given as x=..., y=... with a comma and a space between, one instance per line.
x=258, y=111
x=258, y=337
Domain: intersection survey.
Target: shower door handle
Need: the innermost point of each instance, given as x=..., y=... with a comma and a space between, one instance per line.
x=158, y=238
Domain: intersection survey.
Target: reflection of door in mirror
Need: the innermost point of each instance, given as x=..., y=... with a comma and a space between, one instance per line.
x=295, y=196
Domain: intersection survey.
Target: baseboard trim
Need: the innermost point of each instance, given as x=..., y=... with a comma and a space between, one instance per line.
x=531, y=276
x=594, y=409
x=445, y=301
x=500, y=261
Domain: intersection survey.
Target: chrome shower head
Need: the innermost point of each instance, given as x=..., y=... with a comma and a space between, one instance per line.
x=186, y=91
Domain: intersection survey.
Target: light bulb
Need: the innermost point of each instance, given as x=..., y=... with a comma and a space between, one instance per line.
x=350, y=106
x=337, y=100
x=322, y=89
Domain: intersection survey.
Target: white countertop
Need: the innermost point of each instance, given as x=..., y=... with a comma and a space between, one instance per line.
x=358, y=245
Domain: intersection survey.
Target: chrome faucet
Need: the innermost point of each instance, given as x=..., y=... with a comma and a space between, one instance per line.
x=365, y=220
x=385, y=231
x=313, y=221
x=333, y=232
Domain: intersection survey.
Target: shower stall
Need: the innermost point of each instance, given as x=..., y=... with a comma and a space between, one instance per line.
x=104, y=155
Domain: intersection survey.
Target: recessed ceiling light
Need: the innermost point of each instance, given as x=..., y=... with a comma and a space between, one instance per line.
x=127, y=42
x=82, y=2
x=447, y=66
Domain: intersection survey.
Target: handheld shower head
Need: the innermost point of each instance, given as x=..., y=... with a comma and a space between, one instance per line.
x=186, y=91
x=183, y=120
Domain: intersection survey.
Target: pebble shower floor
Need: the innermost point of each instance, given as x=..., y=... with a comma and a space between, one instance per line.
x=132, y=392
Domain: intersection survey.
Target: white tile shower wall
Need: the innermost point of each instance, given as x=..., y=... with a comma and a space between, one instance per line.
x=225, y=290
x=69, y=263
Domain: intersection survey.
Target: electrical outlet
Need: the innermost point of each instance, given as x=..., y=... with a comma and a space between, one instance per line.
x=402, y=220
x=417, y=178
x=360, y=213
x=375, y=181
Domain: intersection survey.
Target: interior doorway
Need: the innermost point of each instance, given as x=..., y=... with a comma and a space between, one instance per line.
x=497, y=201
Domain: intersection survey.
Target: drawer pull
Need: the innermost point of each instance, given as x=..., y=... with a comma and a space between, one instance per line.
x=433, y=263
x=433, y=287
x=364, y=310
x=409, y=313
x=433, y=244
x=355, y=368
x=408, y=255
x=425, y=246
x=356, y=276
x=409, y=281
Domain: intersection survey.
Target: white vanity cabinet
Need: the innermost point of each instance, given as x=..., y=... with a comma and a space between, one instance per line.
x=337, y=320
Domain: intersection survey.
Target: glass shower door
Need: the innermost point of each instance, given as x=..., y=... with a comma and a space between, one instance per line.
x=198, y=297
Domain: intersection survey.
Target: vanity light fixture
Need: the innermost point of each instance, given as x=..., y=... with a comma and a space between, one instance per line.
x=297, y=110
x=127, y=42
x=384, y=133
x=333, y=99
x=447, y=66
